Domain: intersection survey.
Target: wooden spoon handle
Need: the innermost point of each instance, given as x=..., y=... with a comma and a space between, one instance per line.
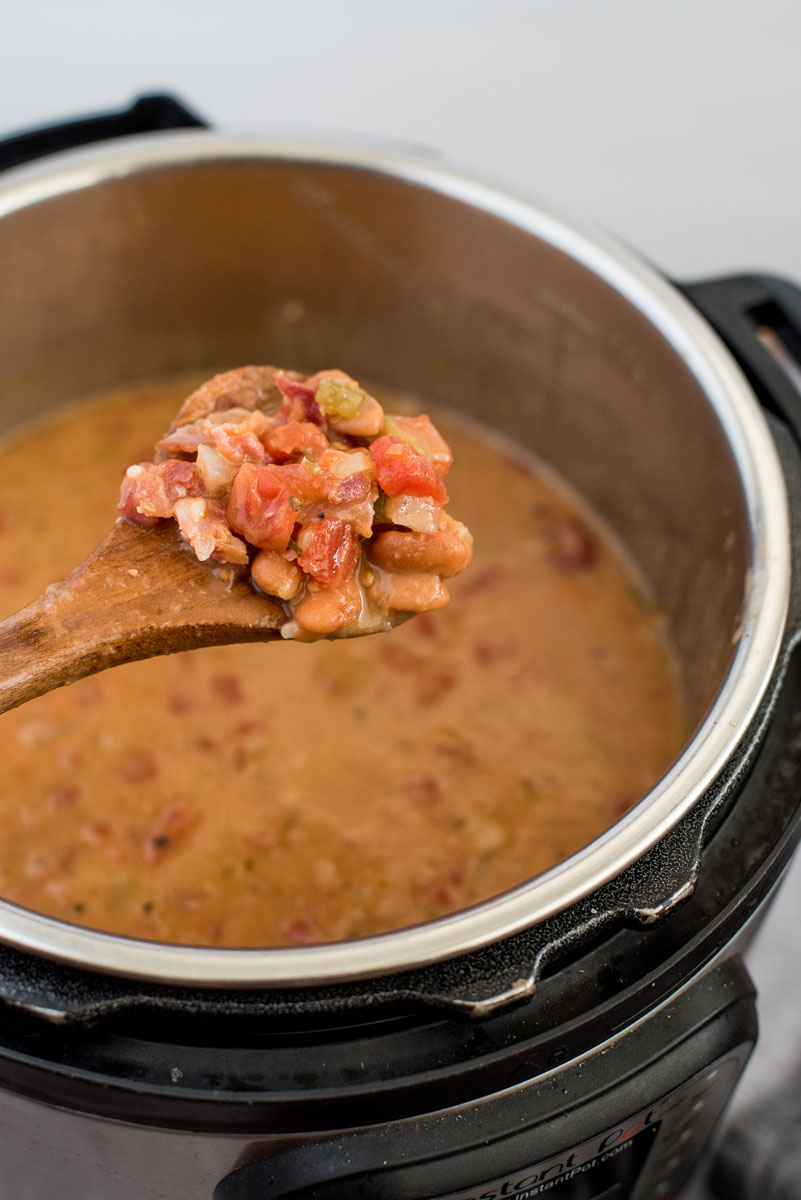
x=140, y=594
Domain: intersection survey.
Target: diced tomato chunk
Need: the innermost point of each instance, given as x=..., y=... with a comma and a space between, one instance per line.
x=330, y=551
x=427, y=439
x=306, y=482
x=285, y=442
x=259, y=508
x=402, y=471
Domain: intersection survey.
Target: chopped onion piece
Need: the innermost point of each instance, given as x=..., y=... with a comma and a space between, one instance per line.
x=413, y=512
x=216, y=471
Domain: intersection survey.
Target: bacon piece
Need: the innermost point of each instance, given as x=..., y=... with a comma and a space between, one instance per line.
x=286, y=442
x=298, y=403
x=330, y=551
x=402, y=471
x=354, y=497
x=127, y=504
x=424, y=789
x=434, y=685
x=349, y=490
x=240, y=441
x=203, y=523
x=314, y=488
x=301, y=930
x=259, y=507
x=150, y=490
x=350, y=476
x=138, y=767
x=486, y=579
x=185, y=439
x=228, y=687
x=571, y=546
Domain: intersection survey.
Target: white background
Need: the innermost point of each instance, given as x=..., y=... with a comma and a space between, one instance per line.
x=673, y=123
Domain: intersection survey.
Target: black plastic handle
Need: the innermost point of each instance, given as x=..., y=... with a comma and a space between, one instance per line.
x=148, y=114
x=759, y=319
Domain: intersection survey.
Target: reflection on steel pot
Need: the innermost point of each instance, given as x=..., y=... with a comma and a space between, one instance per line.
x=580, y=1034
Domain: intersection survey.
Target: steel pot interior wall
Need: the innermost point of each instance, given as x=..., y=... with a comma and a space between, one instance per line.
x=213, y=264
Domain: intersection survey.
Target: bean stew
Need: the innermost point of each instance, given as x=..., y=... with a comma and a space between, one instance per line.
x=255, y=795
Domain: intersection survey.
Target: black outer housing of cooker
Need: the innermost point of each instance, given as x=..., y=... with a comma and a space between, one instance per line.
x=592, y=971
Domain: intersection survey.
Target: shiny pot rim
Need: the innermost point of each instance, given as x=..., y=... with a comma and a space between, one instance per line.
x=710, y=748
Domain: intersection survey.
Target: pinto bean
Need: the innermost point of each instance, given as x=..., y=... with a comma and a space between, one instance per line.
x=412, y=593
x=367, y=421
x=443, y=553
x=324, y=611
x=275, y=575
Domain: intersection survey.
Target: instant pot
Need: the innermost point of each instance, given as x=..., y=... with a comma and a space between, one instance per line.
x=579, y=1036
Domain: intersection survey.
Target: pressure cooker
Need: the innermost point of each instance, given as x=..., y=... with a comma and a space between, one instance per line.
x=580, y=1035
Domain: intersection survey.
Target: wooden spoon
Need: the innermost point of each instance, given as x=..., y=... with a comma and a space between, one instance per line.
x=138, y=595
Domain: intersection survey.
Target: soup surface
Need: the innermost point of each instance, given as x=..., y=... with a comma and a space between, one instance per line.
x=277, y=794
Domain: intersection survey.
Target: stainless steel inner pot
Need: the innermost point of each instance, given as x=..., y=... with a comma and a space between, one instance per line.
x=194, y=250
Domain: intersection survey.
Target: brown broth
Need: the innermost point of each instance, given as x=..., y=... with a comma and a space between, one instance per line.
x=274, y=794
